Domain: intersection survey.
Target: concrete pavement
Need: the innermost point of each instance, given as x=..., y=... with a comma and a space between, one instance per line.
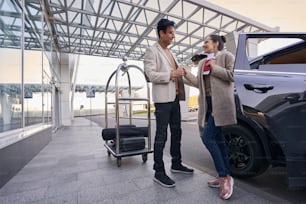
x=75, y=168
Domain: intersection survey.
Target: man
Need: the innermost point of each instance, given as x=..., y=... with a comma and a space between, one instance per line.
x=161, y=68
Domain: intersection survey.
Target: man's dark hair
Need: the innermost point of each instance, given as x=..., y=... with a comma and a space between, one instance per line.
x=163, y=24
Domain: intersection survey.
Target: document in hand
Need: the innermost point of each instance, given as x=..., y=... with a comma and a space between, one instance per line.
x=206, y=67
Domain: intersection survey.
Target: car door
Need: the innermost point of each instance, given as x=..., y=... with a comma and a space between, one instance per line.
x=273, y=88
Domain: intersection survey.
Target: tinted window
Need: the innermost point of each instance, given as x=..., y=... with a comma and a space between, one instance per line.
x=280, y=54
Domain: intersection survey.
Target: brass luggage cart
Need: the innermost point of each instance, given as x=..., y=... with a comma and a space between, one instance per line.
x=136, y=139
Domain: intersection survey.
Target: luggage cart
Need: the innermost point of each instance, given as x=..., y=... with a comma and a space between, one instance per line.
x=119, y=132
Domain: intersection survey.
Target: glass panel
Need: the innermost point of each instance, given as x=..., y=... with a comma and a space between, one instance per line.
x=32, y=87
x=10, y=67
x=51, y=78
x=33, y=67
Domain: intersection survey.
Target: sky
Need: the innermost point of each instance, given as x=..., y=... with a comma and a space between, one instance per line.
x=289, y=15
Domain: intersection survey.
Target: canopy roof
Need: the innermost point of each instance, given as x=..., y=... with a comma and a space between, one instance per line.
x=117, y=28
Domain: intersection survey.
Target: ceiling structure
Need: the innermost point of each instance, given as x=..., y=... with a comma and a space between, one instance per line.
x=118, y=28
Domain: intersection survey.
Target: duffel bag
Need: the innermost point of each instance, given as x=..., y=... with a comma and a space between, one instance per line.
x=110, y=133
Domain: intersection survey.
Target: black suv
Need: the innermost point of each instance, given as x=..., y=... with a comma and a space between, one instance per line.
x=271, y=107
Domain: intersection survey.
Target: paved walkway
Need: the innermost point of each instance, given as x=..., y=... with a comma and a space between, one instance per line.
x=75, y=168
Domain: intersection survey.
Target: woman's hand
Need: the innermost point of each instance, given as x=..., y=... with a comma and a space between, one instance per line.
x=211, y=62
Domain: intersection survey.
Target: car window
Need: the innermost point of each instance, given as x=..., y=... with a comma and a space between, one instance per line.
x=280, y=54
x=265, y=46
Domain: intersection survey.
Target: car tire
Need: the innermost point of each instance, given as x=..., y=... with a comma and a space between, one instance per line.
x=246, y=154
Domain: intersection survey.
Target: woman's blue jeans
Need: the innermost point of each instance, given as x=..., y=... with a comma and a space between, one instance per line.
x=213, y=139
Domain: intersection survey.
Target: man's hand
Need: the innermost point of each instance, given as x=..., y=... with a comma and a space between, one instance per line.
x=179, y=72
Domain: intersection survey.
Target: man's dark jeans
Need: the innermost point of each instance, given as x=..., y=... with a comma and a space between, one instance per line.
x=167, y=113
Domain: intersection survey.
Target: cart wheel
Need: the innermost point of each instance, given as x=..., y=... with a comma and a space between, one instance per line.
x=119, y=161
x=144, y=157
x=108, y=153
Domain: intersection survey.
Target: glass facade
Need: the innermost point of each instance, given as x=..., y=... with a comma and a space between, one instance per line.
x=28, y=60
x=10, y=69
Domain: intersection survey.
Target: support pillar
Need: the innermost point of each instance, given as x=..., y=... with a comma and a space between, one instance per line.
x=6, y=106
x=65, y=90
x=231, y=42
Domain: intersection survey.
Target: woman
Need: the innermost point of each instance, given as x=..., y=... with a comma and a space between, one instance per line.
x=216, y=103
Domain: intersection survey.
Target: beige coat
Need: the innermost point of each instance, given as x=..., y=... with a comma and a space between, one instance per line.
x=222, y=90
x=157, y=68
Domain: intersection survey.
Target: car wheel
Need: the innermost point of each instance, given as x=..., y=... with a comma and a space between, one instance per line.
x=246, y=155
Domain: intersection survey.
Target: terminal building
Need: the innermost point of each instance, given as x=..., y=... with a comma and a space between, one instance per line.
x=41, y=42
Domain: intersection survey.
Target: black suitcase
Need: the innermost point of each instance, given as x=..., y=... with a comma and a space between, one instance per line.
x=132, y=144
x=124, y=131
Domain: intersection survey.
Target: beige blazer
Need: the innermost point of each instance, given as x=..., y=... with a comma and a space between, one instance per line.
x=222, y=90
x=157, y=68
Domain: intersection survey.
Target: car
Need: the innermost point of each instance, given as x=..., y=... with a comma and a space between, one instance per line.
x=270, y=97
